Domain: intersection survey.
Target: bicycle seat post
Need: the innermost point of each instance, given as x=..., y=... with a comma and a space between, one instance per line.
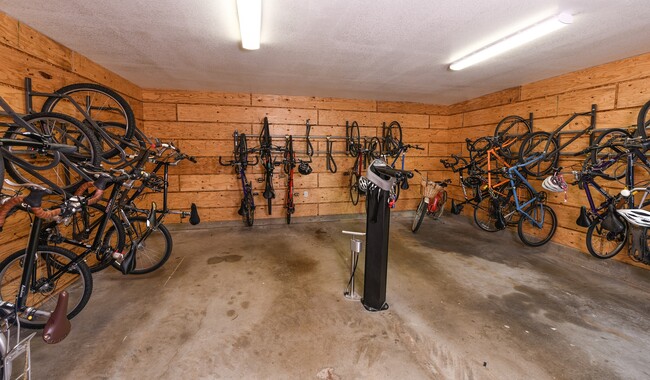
x=355, y=248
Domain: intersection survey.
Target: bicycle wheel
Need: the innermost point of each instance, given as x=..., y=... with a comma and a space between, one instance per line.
x=440, y=207
x=47, y=281
x=132, y=148
x=374, y=148
x=539, y=143
x=393, y=139
x=82, y=228
x=643, y=121
x=512, y=127
x=609, y=160
x=532, y=235
x=354, y=139
x=354, y=188
x=248, y=207
x=485, y=215
x=242, y=151
x=100, y=103
x=603, y=244
x=419, y=216
x=510, y=213
x=56, y=173
x=478, y=148
x=152, y=252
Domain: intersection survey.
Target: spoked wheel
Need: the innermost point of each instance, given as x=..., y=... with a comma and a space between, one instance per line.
x=102, y=105
x=392, y=139
x=529, y=232
x=248, y=208
x=643, y=121
x=45, y=285
x=58, y=168
x=150, y=253
x=354, y=139
x=419, y=216
x=485, y=215
x=609, y=160
x=512, y=127
x=354, y=188
x=603, y=244
x=539, y=143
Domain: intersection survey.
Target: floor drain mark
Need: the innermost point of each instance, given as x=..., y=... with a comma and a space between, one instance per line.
x=175, y=269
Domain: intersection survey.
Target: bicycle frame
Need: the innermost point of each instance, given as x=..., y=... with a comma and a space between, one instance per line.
x=513, y=172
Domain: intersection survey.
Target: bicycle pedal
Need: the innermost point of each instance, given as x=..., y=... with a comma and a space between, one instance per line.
x=259, y=180
x=256, y=193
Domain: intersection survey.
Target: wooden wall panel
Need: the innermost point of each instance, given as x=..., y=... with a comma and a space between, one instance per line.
x=618, y=89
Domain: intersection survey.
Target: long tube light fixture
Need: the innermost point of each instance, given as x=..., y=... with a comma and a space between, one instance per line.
x=250, y=23
x=517, y=39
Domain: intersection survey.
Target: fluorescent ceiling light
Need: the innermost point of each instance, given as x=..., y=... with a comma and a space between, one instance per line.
x=250, y=23
x=515, y=40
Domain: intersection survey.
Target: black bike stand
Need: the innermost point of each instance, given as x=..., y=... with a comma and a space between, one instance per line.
x=378, y=184
x=377, y=228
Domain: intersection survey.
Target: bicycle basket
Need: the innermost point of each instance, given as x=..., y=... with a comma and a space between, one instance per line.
x=430, y=189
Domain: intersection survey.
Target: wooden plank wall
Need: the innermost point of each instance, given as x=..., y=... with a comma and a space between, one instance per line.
x=28, y=53
x=202, y=124
x=618, y=89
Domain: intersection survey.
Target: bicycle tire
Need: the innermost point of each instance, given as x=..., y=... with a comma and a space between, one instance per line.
x=393, y=139
x=153, y=252
x=249, y=207
x=512, y=127
x=539, y=143
x=242, y=151
x=597, y=237
x=374, y=148
x=525, y=236
x=95, y=213
x=138, y=142
x=419, y=216
x=354, y=188
x=354, y=139
x=643, y=121
x=64, y=130
x=440, y=207
x=484, y=215
x=77, y=282
x=108, y=104
x=616, y=170
x=2, y=171
x=265, y=133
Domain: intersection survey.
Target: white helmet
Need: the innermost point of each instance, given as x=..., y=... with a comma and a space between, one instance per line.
x=638, y=217
x=555, y=183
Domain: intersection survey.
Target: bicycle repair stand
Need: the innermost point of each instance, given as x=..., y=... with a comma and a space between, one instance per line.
x=380, y=179
x=355, y=249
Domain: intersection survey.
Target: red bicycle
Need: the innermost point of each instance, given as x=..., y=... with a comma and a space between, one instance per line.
x=434, y=197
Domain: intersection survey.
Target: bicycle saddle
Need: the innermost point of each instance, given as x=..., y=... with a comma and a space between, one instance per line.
x=58, y=326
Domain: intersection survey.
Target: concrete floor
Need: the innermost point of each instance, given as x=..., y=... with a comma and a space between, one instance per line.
x=266, y=303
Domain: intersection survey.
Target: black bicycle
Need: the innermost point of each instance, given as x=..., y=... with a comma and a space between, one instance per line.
x=240, y=163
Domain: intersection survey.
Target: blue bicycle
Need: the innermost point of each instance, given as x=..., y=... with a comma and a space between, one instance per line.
x=537, y=222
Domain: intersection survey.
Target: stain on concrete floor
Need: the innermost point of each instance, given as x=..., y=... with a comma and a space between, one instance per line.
x=268, y=302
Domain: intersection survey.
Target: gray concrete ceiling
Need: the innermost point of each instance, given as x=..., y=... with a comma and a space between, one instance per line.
x=367, y=49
